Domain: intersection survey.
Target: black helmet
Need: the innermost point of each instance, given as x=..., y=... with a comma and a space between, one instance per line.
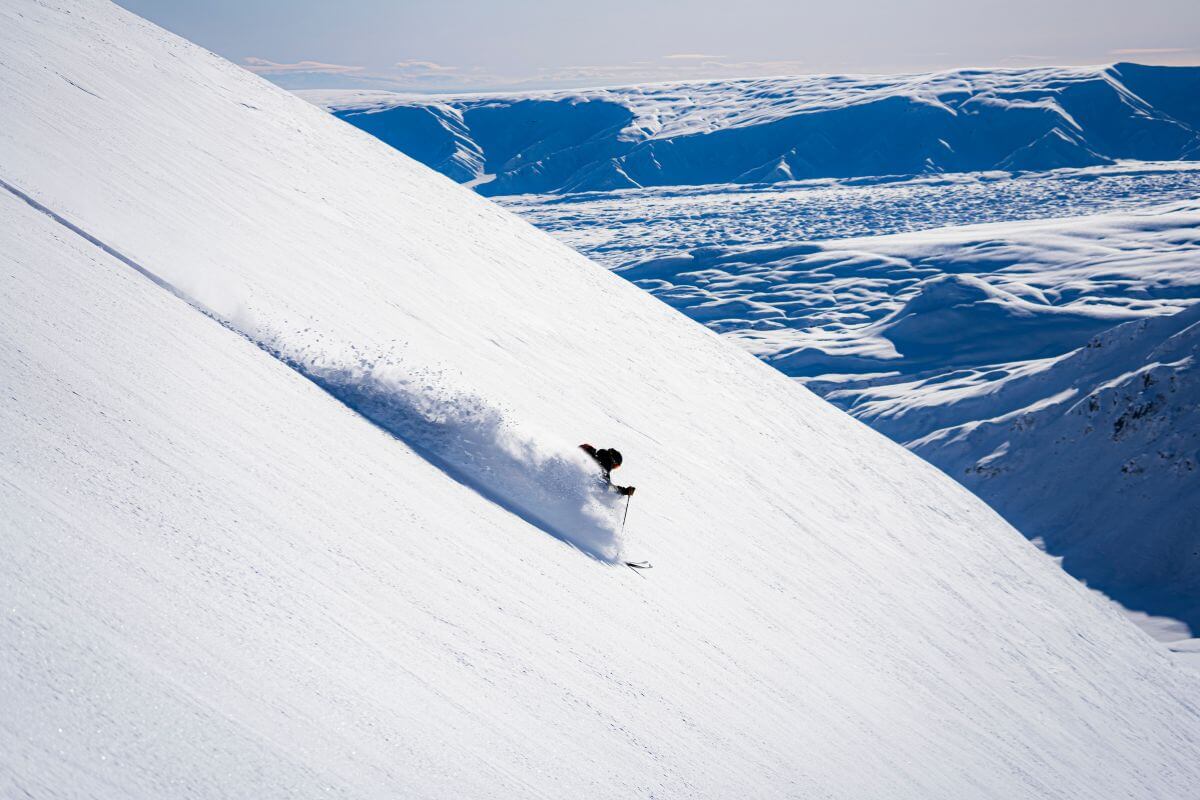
x=614, y=457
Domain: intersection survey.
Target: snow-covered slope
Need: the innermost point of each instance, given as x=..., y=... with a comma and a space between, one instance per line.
x=768, y=130
x=279, y=549
x=1122, y=415
x=907, y=313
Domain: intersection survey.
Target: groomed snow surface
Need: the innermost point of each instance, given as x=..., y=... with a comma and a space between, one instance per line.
x=267, y=384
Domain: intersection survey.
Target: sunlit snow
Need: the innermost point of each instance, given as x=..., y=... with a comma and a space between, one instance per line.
x=260, y=372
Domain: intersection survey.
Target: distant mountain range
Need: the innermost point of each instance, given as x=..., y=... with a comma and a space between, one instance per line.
x=768, y=130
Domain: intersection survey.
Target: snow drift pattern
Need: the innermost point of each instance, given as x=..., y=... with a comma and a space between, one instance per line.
x=618, y=229
x=553, y=486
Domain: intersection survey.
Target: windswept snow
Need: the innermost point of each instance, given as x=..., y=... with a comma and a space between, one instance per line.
x=767, y=130
x=753, y=206
x=907, y=303
x=955, y=343
x=266, y=381
x=621, y=227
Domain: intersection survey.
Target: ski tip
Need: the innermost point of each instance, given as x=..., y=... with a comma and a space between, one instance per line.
x=639, y=565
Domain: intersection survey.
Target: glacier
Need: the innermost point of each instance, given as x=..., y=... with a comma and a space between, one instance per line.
x=238, y=565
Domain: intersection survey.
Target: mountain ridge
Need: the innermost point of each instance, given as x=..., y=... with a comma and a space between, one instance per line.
x=769, y=130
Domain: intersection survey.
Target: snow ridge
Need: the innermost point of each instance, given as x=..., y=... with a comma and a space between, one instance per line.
x=771, y=130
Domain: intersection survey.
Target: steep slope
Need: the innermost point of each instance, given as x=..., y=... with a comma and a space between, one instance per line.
x=768, y=130
x=262, y=552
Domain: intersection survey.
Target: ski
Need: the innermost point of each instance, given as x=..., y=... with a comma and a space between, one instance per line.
x=639, y=565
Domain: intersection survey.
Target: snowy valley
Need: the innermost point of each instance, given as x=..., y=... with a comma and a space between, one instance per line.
x=291, y=501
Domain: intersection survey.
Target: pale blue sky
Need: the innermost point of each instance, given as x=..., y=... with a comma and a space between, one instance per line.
x=445, y=45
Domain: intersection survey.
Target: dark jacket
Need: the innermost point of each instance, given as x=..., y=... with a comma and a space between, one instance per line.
x=608, y=459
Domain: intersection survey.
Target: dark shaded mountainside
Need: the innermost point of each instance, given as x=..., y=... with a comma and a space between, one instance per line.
x=782, y=129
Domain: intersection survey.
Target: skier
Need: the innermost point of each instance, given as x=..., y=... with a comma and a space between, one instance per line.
x=608, y=459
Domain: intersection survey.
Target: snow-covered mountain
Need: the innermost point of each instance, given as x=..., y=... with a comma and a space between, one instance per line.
x=291, y=505
x=871, y=322
x=768, y=130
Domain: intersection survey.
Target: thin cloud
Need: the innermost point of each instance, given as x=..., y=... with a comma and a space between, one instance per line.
x=1031, y=57
x=424, y=76
x=416, y=67
x=698, y=68
x=773, y=67
x=264, y=67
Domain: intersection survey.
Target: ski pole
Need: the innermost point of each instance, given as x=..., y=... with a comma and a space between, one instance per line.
x=628, y=499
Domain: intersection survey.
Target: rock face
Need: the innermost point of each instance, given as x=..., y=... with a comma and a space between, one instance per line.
x=784, y=129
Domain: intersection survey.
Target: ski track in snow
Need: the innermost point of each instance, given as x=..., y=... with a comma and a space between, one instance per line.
x=909, y=337
x=926, y=336
x=558, y=490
